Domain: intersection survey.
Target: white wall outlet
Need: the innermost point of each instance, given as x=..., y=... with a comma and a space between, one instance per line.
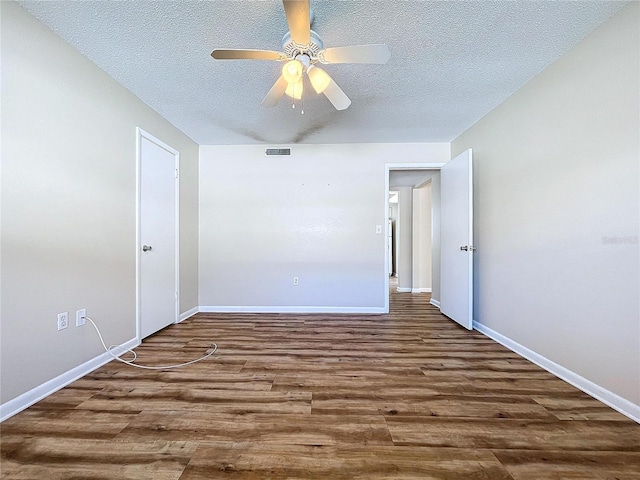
x=81, y=317
x=63, y=320
x=296, y=282
x=378, y=229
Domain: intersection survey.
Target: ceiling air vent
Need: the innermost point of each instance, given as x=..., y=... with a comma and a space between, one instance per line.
x=278, y=152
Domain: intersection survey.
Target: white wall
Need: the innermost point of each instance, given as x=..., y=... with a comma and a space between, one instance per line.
x=68, y=204
x=405, y=239
x=422, y=239
x=557, y=211
x=264, y=220
x=435, y=238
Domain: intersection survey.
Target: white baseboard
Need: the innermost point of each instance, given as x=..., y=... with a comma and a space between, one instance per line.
x=403, y=290
x=188, y=313
x=283, y=309
x=36, y=394
x=435, y=303
x=607, y=397
x=420, y=290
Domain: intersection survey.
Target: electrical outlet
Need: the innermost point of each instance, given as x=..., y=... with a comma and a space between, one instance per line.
x=63, y=320
x=295, y=281
x=81, y=317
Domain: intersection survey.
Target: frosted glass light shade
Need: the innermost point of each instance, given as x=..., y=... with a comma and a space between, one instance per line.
x=320, y=80
x=294, y=90
x=292, y=71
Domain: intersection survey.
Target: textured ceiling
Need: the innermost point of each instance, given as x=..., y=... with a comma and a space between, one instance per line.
x=408, y=178
x=451, y=62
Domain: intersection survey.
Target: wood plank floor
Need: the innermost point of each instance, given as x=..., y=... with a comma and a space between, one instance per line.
x=409, y=395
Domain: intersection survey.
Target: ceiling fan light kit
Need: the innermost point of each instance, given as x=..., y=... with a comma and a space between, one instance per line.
x=292, y=71
x=318, y=78
x=302, y=50
x=294, y=90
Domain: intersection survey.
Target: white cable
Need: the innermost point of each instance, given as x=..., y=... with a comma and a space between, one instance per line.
x=112, y=347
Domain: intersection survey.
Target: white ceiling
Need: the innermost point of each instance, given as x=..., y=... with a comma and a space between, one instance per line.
x=409, y=178
x=452, y=62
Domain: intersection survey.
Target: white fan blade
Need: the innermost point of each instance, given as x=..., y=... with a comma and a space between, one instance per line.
x=378, y=53
x=297, y=12
x=336, y=96
x=275, y=93
x=221, y=54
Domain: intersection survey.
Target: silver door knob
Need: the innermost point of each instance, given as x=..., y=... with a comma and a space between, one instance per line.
x=146, y=248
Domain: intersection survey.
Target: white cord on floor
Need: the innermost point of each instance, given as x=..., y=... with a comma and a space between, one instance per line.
x=110, y=349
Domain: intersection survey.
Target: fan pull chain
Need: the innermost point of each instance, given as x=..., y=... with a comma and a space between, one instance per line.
x=293, y=101
x=293, y=96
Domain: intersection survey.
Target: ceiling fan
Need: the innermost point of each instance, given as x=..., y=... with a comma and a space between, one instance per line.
x=303, y=50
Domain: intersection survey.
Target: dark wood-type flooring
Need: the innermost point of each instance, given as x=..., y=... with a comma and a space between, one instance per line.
x=409, y=395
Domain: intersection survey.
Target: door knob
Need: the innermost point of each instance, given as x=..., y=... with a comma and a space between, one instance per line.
x=146, y=248
x=463, y=248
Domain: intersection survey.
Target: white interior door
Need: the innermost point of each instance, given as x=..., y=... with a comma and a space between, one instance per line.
x=157, y=278
x=456, y=239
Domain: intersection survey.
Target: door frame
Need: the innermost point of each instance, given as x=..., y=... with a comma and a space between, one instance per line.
x=140, y=134
x=387, y=168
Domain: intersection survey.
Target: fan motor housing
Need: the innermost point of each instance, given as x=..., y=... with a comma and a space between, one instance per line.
x=291, y=49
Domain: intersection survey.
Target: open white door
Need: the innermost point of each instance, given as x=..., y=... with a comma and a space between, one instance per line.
x=456, y=240
x=157, y=254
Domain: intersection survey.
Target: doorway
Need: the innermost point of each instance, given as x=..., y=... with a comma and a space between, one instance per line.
x=452, y=232
x=402, y=179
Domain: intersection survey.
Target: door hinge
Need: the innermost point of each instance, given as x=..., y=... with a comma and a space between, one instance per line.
x=176, y=173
